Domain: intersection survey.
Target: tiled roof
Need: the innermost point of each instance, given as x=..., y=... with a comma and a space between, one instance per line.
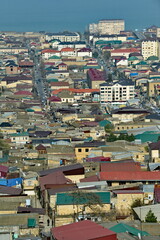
x=59, y=84
x=67, y=49
x=130, y=176
x=50, y=51
x=125, y=50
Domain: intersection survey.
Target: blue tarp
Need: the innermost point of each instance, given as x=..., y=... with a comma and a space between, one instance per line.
x=133, y=74
x=10, y=182
x=14, y=182
x=3, y=181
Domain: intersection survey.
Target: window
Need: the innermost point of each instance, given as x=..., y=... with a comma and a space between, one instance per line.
x=79, y=150
x=86, y=150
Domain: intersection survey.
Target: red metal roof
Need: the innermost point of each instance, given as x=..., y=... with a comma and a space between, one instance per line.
x=23, y=93
x=96, y=75
x=75, y=90
x=83, y=230
x=120, y=166
x=130, y=176
x=3, y=168
x=94, y=178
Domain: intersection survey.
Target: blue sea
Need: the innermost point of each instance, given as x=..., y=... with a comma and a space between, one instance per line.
x=74, y=15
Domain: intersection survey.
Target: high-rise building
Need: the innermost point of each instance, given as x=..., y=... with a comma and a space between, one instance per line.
x=107, y=26
x=150, y=47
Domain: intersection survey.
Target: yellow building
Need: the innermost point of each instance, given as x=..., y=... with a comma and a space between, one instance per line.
x=150, y=47
x=111, y=26
x=83, y=150
x=77, y=205
x=151, y=87
x=123, y=199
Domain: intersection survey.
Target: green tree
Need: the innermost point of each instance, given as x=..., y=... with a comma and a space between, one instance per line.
x=95, y=54
x=137, y=203
x=111, y=138
x=4, y=146
x=150, y=217
x=86, y=200
x=109, y=127
x=107, y=55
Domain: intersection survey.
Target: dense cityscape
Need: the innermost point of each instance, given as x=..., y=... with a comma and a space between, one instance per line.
x=80, y=134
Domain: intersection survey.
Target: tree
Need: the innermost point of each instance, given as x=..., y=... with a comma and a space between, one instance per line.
x=109, y=127
x=150, y=217
x=86, y=200
x=111, y=138
x=4, y=146
x=137, y=203
x=107, y=55
x=95, y=54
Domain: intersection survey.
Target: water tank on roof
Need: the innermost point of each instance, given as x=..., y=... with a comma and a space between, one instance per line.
x=28, y=202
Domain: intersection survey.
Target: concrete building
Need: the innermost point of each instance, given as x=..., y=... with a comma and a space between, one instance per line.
x=150, y=47
x=114, y=92
x=108, y=26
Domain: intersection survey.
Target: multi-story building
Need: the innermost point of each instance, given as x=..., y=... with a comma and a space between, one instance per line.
x=150, y=47
x=118, y=91
x=63, y=37
x=107, y=26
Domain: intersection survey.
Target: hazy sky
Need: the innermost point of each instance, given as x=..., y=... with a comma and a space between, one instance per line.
x=58, y=15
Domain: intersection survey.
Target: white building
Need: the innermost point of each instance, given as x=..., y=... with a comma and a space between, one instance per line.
x=63, y=37
x=115, y=92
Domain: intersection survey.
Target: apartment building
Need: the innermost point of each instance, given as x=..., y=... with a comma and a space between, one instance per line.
x=107, y=26
x=150, y=47
x=118, y=91
x=63, y=37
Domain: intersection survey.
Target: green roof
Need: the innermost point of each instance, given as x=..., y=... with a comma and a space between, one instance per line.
x=122, y=227
x=31, y=222
x=55, y=57
x=142, y=63
x=69, y=199
x=152, y=58
x=148, y=136
x=52, y=80
x=104, y=123
x=19, y=134
x=29, y=110
x=92, y=66
x=132, y=58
